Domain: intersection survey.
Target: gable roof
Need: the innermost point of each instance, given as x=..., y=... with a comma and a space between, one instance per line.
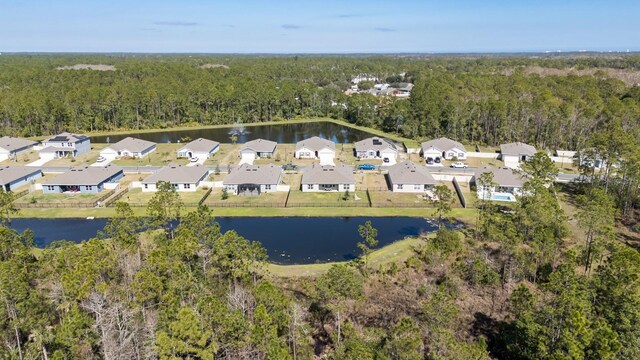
x=375, y=143
x=85, y=175
x=178, y=174
x=517, y=149
x=260, y=145
x=132, y=144
x=9, y=174
x=67, y=137
x=442, y=144
x=502, y=176
x=328, y=174
x=200, y=145
x=315, y=144
x=253, y=174
x=13, y=144
x=409, y=173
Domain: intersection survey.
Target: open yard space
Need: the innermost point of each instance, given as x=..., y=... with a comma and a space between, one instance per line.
x=389, y=198
x=137, y=198
x=284, y=153
x=299, y=198
x=22, y=159
x=229, y=154
x=38, y=197
x=165, y=154
x=273, y=199
x=476, y=162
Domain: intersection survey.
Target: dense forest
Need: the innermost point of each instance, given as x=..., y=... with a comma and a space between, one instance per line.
x=533, y=282
x=482, y=100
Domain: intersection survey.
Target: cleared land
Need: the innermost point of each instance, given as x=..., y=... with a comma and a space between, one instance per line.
x=38, y=197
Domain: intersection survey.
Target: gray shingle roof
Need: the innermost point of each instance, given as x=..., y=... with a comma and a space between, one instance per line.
x=12, y=144
x=67, y=137
x=253, y=174
x=260, y=145
x=9, y=174
x=502, y=176
x=517, y=149
x=442, y=144
x=315, y=144
x=200, y=145
x=374, y=143
x=328, y=174
x=178, y=174
x=85, y=175
x=409, y=173
x=132, y=144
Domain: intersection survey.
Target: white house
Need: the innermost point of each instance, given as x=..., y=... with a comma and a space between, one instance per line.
x=13, y=177
x=443, y=148
x=316, y=148
x=507, y=184
x=324, y=178
x=376, y=148
x=251, y=180
x=255, y=149
x=410, y=178
x=11, y=147
x=182, y=178
x=513, y=154
x=63, y=145
x=199, y=148
x=129, y=147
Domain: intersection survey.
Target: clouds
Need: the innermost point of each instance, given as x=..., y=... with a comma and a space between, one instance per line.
x=175, y=23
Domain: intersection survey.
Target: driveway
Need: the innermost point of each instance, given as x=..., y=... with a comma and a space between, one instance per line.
x=247, y=159
x=104, y=163
x=39, y=162
x=199, y=162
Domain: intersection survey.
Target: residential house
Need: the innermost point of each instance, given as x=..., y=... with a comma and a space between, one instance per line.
x=64, y=145
x=323, y=178
x=376, y=148
x=443, y=148
x=513, y=154
x=252, y=180
x=84, y=179
x=316, y=148
x=199, y=148
x=410, y=178
x=128, y=147
x=507, y=184
x=259, y=148
x=13, y=177
x=182, y=178
x=11, y=147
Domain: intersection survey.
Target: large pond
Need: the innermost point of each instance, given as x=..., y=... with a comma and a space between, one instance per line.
x=288, y=240
x=281, y=133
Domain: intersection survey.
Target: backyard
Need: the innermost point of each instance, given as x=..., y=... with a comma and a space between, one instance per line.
x=273, y=199
x=70, y=199
x=165, y=154
x=137, y=198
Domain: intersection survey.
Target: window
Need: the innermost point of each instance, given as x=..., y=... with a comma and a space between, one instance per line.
x=88, y=187
x=267, y=187
x=187, y=186
x=417, y=187
x=50, y=187
x=146, y=186
x=70, y=144
x=460, y=155
x=399, y=186
x=451, y=154
x=309, y=186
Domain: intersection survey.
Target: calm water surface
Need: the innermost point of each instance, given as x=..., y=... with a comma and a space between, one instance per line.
x=281, y=133
x=288, y=240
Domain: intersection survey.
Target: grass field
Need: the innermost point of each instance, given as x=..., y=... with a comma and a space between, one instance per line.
x=138, y=198
x=328, y=198
x=22, y=159
x=277, y=198
x=38, y=197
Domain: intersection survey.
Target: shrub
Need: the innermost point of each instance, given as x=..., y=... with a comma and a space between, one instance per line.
x=225, y=194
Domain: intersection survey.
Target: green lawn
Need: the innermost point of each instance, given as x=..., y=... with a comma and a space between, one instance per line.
x=389, y=198
x=38, y=197
x=277, y=198
x=328, y=198
x=137, y=198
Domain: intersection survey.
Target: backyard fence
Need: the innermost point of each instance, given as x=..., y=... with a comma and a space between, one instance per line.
x=116, y=197
x=463, y=201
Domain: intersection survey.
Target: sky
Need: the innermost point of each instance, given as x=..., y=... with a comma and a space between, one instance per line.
x=310, y=26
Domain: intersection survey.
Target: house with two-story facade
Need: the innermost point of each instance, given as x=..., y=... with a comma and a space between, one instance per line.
x=64, y=145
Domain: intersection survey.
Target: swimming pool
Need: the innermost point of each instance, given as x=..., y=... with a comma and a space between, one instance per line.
x=501, y=197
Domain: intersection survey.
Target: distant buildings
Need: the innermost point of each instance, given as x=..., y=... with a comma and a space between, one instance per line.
x=199, y=148
x=443, y=148
x=258, y=148
x=513, y=154
x=13, y=177
x=316, y=148
x=376, y=148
